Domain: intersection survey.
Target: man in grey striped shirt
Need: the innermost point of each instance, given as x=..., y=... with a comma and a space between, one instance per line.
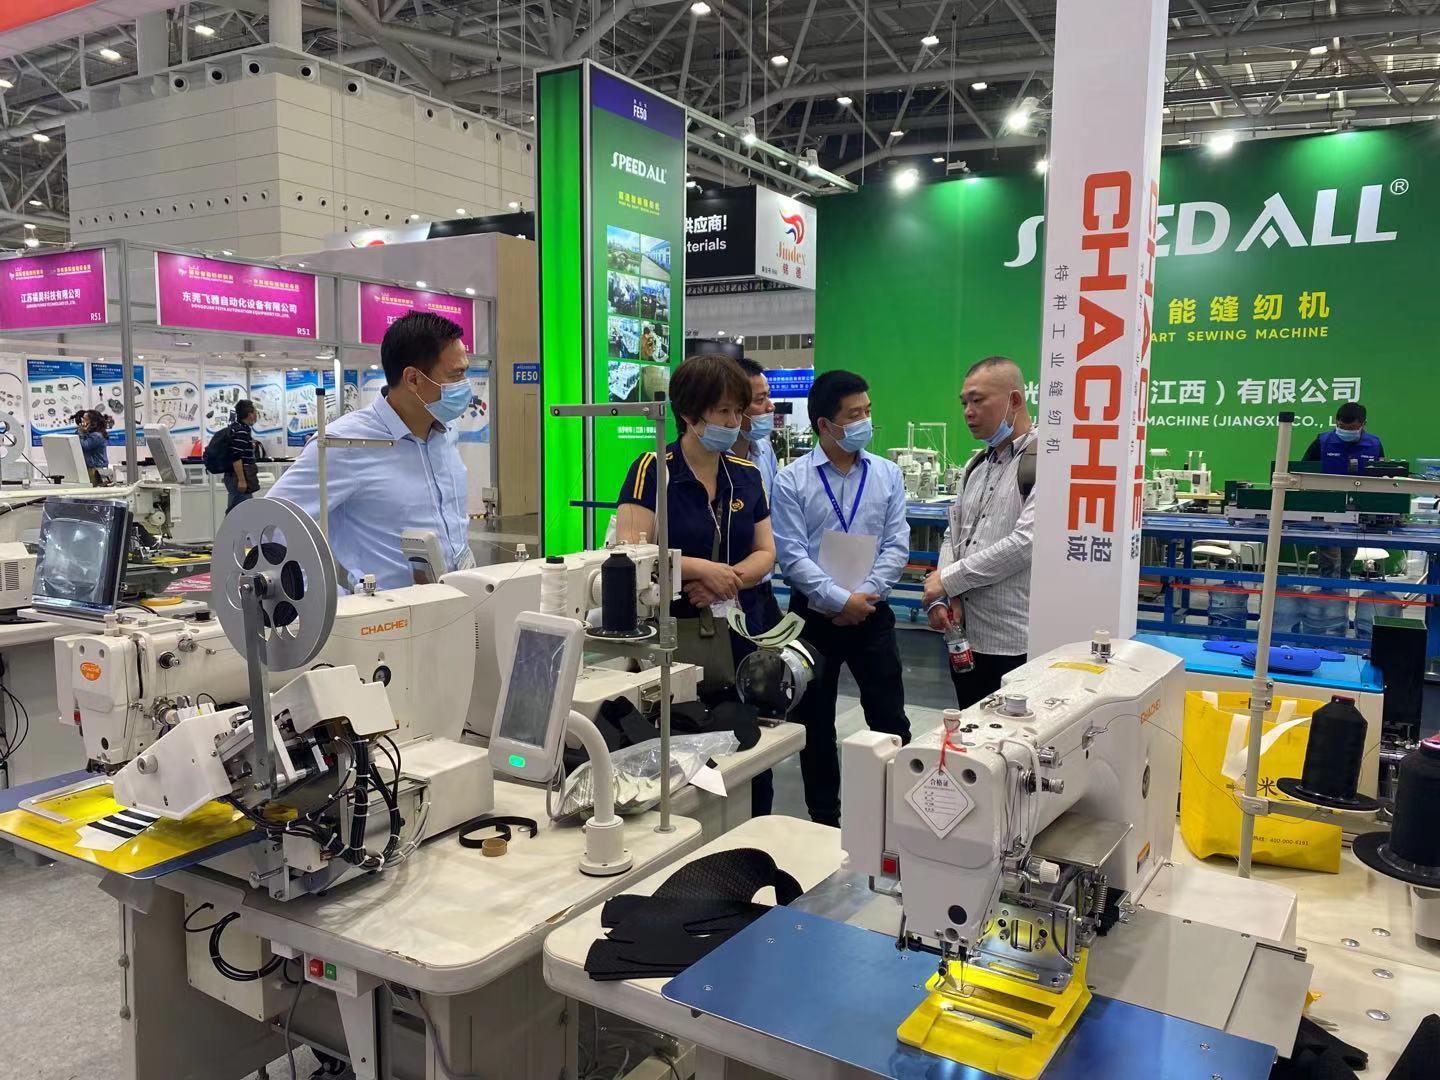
x=983, y=577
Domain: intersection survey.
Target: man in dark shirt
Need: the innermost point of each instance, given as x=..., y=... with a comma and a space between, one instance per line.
x=1347, y=449
x=241, y=478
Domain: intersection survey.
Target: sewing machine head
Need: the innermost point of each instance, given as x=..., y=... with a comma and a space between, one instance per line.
x=1018, y=829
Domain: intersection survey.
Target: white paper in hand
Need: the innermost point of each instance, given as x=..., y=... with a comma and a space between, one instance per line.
x=847, y=558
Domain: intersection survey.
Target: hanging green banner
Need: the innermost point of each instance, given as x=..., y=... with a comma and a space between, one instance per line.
x=611, y=229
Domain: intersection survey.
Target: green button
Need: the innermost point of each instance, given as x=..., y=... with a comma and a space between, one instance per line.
x=330, y=972
x=516, y=761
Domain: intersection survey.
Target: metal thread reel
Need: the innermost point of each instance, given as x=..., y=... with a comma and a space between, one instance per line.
x=12, y=437
x=276, y=544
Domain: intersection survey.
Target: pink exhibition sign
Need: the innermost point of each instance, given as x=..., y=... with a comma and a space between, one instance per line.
x=381, y=305
x=211, y=294
x=63, y=289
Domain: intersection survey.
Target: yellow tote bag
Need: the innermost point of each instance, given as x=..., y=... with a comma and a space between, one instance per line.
x=1212, y=781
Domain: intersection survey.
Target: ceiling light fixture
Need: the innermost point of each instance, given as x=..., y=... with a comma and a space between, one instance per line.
x=1019, y=118
x=6, y=84
x=40, y=137
x=700, y=8
x=692, y=185
x=513, y=205
x=938, y=159
x=1222, y=142
x=29, y=225
x=845, y=100
x=420, y=284
x=897, y=134
x=1184, y=140
x=906, y=179
x=1042, y=166
x=1319, y=50
x=747, y=131
x=469, y=291
x=203, y=30
x=461, y=210
x=811, y=161
x=979, y=87
x=31, y=242
x=36, y=202
x=779, y=59
x=929, y=41
x=111, y=55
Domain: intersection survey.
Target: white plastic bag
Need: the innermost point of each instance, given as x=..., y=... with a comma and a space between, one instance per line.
x=637, y=772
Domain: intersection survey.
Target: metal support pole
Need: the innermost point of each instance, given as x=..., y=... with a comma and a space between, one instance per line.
x=664, y=622
x=1261, y=688
x=320, y=477
x=127, y=363
x=253, y=588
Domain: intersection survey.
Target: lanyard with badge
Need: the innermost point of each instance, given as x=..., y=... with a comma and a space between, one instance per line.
x=847, y=558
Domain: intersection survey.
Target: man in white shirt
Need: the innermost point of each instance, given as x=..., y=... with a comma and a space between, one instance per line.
x=983, y=576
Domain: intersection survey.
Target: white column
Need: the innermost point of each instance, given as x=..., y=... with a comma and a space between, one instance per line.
x=1097, y=296
x=285, y=24
x=152, y=42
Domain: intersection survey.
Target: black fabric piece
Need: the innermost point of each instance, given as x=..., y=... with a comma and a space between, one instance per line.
x=737, y=874
x=700, y=906
x=664, y=937
x=1319, y=1055
x=1421, y=1059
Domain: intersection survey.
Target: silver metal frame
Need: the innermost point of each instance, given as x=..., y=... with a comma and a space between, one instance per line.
x=1262, y=689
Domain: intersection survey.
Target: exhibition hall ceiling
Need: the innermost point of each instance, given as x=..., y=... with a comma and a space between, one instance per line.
x=864, y=83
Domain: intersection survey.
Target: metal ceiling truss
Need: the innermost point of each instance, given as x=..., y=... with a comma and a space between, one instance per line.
x=1262, y=66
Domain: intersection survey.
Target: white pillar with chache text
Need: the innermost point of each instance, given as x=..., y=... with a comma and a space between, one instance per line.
x=1102, y=195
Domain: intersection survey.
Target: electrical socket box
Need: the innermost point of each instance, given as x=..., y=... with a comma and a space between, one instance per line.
x=263, y=999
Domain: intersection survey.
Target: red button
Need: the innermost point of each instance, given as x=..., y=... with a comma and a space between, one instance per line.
x=317, y=969
x=889, y=865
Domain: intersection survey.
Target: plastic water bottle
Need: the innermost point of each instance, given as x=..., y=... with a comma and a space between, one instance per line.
x=957, y=645
x=1365, y=614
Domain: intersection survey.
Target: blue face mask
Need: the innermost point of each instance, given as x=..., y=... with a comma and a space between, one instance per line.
x=719, y=439
x=760, y=427
x=857, y=435
x=1003, y=432
x=454, y=400
x=1349, y=436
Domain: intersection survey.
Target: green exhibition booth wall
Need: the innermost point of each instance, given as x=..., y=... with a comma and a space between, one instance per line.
x=1318, y=289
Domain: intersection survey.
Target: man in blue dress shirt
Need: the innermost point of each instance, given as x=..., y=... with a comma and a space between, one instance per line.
x=375, y=493
x=842, y=541
x=754, y=446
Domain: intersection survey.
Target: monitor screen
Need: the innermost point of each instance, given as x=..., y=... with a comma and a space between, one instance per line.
x=535, y=673
x=82, y=555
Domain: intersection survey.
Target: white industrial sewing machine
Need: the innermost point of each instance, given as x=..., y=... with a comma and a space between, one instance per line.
x=1028, y=827
x=501, y=592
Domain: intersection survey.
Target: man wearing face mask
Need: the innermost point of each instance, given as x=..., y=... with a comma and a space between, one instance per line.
x=842, y=541
x=419, y=482
x=1346, y=449
x=983, y=575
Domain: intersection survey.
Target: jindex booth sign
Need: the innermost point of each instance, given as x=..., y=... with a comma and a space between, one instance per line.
x=750, y=232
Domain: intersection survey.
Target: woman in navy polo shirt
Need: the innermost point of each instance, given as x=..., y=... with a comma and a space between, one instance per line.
x=718, y=514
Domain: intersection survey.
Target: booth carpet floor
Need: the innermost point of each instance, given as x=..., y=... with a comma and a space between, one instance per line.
x=59, y=985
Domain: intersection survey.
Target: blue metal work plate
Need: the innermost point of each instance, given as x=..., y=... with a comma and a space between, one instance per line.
x=841, y=991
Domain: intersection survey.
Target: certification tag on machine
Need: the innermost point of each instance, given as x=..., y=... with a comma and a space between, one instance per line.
x=940, y=801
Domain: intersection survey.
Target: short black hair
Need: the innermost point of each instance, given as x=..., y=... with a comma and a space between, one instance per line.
x=703, y=382
x=750, y=367
x=416, y=340
x=828, y=390
x=245, y=407
x=1352, y=412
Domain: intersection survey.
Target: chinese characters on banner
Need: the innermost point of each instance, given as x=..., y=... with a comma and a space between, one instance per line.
x=381, y=305
x=64, y=289
x=212, y=294
x=1099, y=276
